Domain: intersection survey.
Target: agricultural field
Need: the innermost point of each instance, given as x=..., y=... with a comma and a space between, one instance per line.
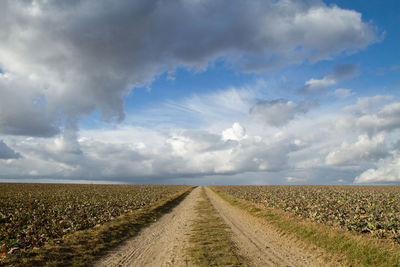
x=32, y=214
x=363, y=209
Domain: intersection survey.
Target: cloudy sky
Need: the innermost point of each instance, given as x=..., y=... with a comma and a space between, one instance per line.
x=200, y=91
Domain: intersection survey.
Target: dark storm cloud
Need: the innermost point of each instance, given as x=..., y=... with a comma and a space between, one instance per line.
x=81, y=56
x=23, y=110
x=63, y=60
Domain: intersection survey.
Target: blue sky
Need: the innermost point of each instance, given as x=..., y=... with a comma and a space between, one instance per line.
x=379, y=66
x=200, y=92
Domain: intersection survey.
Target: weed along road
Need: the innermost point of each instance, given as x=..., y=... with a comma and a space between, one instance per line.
x=205, y=229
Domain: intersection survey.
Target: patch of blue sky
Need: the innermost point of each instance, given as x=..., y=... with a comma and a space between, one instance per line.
x=93, y=121
x=378, y=73
x=379, y=62
x=185, y=83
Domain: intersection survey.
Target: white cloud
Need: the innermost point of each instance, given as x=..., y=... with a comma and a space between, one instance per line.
x=6, y=152
x=310, y=149
x=364, y=149
x=316, y=84
x=60, y=61
x=369, y=115
x=387, y=172
x=340, y=72
x=277, y=112
x=236, y=133
x=219, y=105
x=343, y=93
x=368, y=104
x=71, y=58
x=23, y=109
x=295, y=180
x=178, y=153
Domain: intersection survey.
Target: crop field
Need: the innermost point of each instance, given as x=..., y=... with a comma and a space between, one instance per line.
x=363, y=209
x=32, y=214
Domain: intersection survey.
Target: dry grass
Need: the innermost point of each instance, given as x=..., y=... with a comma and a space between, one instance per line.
x=354, y=249
x=210, y=239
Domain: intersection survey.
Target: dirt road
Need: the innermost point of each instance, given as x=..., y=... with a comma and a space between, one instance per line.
x=164, y=243
x=260, y=243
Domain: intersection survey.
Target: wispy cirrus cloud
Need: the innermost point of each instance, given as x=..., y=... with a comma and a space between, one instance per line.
x=343, y=93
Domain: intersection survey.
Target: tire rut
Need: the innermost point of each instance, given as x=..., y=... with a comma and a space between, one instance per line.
x=166, y=242
x=163, y=243
x=259, y=243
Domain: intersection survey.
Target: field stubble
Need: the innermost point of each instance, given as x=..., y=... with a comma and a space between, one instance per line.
x=363, y=209
x=34, y=214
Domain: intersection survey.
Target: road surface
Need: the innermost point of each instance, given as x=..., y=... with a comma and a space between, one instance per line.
x=164, y=243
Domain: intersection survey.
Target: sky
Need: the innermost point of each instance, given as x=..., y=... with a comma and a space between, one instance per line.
x=200, y=91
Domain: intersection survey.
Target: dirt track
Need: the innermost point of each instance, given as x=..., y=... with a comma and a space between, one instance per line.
x=260, y=243
x=161, y=244
x=164, y=243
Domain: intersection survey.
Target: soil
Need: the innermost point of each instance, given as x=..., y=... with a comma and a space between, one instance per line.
x=165, y=242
